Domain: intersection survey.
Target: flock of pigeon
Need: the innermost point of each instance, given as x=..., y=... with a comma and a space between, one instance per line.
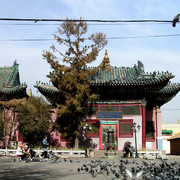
x=139, y=170
x=124, y=169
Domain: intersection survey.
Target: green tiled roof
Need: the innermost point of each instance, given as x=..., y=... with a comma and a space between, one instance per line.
x=126, y=83
x=119, y=76
x=167, y=93
x=128, y=76
x=46, y=87
x=170, y=88
x=9, y=76
x=11, y=90
x=50, y=92
x=9, y=80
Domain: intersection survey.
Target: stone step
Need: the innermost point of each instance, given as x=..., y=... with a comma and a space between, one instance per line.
x=102, y=153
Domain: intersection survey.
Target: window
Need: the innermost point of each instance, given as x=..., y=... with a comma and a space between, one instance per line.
x=150, y=131
x=125, y=129
x=130, y=110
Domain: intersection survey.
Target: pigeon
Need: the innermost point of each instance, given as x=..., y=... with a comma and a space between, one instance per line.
x=175, y=20
x=107, y=172
x=117, y=175
x=173, y=163
x=113, y=171
x=121, y=168
x=78, y=169
x=88, y=164
x=108, y=164
x=92, y=161
x=114, y=165
x=135, y=162
x=77, y=160
x=55, y=160
x=28, y=160
x=91, y=171
x=152, y=163
x=98, y=171
x=87, y=169
x=83, y=167
x=132, y=175
x=93, y=174
x=145, y=163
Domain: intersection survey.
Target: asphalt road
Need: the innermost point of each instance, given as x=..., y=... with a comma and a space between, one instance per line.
x=62, y=170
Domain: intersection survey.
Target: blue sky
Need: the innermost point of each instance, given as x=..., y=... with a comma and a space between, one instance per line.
x=157, y=54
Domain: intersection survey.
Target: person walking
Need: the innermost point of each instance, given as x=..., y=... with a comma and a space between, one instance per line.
x=45, y=145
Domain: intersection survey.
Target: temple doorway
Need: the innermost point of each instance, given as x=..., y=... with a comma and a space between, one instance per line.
x=107, y=132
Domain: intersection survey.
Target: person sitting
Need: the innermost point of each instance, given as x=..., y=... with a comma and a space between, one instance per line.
x=26, y=153
x=19, y=152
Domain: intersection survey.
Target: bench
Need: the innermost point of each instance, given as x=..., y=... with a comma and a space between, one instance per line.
x=150, y=154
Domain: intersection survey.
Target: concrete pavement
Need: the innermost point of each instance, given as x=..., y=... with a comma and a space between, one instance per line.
x=61, y=170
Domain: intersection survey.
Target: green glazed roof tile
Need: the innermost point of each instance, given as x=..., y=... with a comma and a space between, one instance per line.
x=151, y=85
x=9, y=80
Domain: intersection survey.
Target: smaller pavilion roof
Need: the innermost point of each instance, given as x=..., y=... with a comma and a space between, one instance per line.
x=10, y=82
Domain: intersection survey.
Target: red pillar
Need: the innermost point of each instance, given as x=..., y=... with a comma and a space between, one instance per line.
x=143, y=126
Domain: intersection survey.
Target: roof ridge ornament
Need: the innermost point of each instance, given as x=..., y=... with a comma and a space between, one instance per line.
x=140, y=66
x=105, y=61
x=15, y=64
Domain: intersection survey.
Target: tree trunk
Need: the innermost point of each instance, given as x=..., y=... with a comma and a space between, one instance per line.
x=76, y=145
x=4, y=131
x=11, y=127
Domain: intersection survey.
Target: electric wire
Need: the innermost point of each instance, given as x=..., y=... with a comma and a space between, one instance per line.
x=108, y=38
x=83, y=20
x=171, y=109
x=89, y=24
x=93, y=21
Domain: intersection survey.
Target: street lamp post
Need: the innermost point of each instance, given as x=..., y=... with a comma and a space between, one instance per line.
x=86, y=127
x=136, y=129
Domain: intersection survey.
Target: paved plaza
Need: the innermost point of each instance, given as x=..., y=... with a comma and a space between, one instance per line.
x=65, y=170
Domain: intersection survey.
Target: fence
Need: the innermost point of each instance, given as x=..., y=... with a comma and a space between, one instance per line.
x=63, y=153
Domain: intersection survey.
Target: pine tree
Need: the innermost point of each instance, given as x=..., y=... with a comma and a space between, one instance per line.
x=71, y=75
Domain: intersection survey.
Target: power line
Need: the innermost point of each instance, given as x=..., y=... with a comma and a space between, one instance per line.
x=81, y=20
x=109, y=38
x=153, y=36
x=171, y=109
x=91, y=24
x=26, y=40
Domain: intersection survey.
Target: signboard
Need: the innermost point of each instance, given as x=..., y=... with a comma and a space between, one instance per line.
x=108, y=122
x=109, y=115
